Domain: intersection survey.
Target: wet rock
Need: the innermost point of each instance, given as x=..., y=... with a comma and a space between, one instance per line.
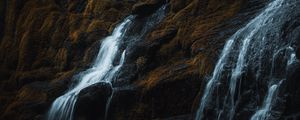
x=122, y=102
x=171, y=95
x=168, y=65
x=146, y=8
x=91, y=102
x=292, y=93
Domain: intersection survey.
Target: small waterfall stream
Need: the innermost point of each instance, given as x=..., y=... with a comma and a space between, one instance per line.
x=102, y=71
x=256, y=57
x=103, y=68
x=262, y=114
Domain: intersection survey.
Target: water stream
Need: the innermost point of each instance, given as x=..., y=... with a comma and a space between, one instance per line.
x=102, y=71
x=256, y=55
x=103, y=68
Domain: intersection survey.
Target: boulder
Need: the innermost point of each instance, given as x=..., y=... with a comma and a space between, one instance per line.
x=91, y=101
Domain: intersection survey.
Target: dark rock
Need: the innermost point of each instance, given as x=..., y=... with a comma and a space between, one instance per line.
x=91, y=102
x=124, y=100
x=172, y=98
x=127, y=74
x=146, y=8
x=164, y=67
x=293, y=92
x=77, y=6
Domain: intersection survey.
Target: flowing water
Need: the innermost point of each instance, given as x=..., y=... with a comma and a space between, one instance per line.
x=255, y=59
x=103, y=68
x=263, y=113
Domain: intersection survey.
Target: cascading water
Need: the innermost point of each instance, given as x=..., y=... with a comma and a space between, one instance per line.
x=262, y=114
x=150, y=22
x=103, y=69
x=255, y=58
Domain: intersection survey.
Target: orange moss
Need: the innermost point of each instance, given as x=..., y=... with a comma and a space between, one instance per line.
x=168, y=73
x=190, y=35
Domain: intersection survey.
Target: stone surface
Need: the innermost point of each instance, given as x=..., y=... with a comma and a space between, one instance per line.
x=44, y=43
x=91, y=102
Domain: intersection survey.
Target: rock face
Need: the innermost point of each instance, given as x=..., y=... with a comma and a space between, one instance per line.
x=91, y=102
x=44, y=43
x=147, y=8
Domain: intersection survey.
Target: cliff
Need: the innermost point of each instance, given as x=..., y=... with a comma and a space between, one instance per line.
x=44, y=43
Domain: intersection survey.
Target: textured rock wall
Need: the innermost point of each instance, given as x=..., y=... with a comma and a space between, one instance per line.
x=172, y=62
x=46, y=42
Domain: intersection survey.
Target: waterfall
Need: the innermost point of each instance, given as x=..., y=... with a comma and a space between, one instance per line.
x=213, y=81
x=255, y=56
x=103, y=68
x=262, y=114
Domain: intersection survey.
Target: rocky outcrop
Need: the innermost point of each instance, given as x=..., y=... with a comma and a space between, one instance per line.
x=92, y=101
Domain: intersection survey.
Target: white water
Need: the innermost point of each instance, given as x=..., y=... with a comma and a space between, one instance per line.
x=264, y=112
x=249, y=49
x=102, y=70
x=216, y=76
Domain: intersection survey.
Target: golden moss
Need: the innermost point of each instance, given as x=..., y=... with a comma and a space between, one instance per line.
x=167, y=73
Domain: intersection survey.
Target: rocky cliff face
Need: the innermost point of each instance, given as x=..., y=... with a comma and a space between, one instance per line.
x=44, y=43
